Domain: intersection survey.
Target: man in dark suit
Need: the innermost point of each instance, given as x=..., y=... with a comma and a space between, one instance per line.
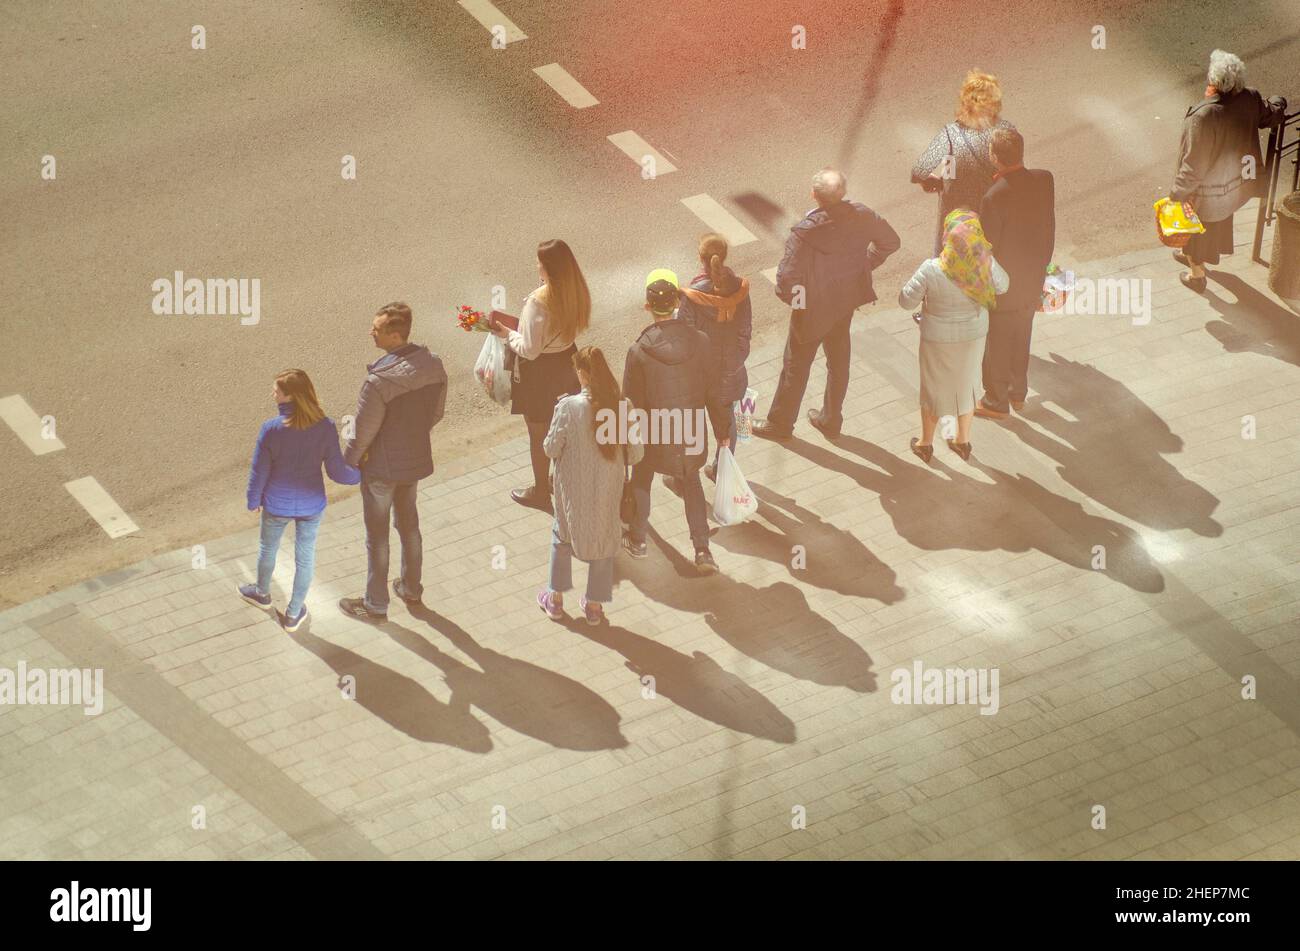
x=824, y=276
x=1019, y=218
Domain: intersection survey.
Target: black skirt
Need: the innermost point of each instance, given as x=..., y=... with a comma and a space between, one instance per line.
x=1206, y=247
x=541, y=383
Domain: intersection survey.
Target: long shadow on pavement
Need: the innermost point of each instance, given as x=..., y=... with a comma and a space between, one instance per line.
x=528, y=699
x=1255, y=323
x=402, y=702
x=1115, y=453
x=773, y=625
x=836, y=560
x=1015, y=514
x=696, y=683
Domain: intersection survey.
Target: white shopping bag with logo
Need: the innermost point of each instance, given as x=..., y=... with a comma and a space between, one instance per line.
x=743, y=409
x=490, y=369
x=733, y=502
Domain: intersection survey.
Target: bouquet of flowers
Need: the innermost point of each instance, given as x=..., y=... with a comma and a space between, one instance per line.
x=1057, y=285
x=471, y=319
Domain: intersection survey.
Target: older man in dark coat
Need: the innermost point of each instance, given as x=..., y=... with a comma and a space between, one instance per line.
x=1019, y=218
x=824, y=276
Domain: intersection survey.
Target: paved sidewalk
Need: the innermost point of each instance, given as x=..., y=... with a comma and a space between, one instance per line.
x=481, y=729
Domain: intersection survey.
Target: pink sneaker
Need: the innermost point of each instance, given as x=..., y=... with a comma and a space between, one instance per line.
x=593, y=611
x=549, y=602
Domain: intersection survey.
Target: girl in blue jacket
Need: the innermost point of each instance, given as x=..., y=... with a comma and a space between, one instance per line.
x=285, y=485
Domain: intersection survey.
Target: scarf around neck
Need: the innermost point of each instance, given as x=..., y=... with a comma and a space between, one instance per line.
x=726, y=305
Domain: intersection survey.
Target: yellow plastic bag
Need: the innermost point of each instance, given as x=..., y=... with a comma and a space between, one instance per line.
x=1174, y=226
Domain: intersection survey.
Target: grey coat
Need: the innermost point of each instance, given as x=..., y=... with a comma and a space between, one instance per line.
x=587, y=485
x=1217, y=134
x=403, y=397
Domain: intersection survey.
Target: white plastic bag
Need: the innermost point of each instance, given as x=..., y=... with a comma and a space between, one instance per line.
x=490, y=369
x=733, y=502
x=743, y=410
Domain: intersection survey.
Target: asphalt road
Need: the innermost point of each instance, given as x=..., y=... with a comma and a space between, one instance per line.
x=225, y=162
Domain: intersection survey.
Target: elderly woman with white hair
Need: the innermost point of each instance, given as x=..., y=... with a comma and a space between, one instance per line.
x=1214, y=178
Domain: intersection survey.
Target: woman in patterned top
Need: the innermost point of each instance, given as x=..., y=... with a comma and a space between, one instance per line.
x=956, y=163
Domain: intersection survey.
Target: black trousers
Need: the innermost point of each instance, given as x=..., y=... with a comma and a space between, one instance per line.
x=1006, y=357
x=800, y=351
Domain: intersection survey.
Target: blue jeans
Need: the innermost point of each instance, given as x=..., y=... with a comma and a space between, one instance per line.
x=379, y=501
x=304, y=555
x=600, y=573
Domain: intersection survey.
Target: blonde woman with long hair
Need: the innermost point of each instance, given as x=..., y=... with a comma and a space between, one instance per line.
x=285, y=485
x=552, y=319
x=956, y=163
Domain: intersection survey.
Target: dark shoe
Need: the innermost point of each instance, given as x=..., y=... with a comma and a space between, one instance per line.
x=1017, y=405
x=766, y=430
x=292, y=624
x=704, y=562
x=356, y=608
x=249, y=593
x=400, y=592
x=925, y=452
x=1182, y=259
x=1197, y=284
x=531, y=498
x=962, y=449
x=711, y=472
x=635, y=549
x=815, y=417
x=984, y=411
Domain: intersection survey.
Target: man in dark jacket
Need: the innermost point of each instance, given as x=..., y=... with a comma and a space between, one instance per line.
x=667, y=375
x=1019, y=218
x=824, y=276
x=403, y=397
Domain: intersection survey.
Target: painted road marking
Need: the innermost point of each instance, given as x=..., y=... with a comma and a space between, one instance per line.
x=719, y=219
x=770, y=274
x=95, y=500
x=490, y=17
x=637, y=148
x=22, y=419
x=558, y=78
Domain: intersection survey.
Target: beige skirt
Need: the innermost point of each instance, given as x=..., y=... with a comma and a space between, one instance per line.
x=950, y=376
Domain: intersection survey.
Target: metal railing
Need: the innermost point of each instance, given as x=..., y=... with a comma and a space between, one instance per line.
x=1278, y=150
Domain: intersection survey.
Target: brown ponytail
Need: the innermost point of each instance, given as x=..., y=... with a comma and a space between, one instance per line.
x=713, y=255
x=605, y=392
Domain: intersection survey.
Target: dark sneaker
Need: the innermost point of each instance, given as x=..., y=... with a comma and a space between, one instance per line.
x=532, y=498
x=292, y=624
x=249, y=593
x=815, y=417
x=985, y=411
x=635, y=549
x=1017, y=405
x=401, y=593
x=766, y=430
x=704, y=562
x=356, y=608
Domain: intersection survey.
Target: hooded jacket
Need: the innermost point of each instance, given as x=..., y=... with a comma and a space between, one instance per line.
x=728, y=339
x=1217, y=134
x=667, y=368
x=403, y=396
x=831, y=254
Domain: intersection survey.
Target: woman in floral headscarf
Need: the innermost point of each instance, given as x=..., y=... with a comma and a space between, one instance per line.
x=955, y=291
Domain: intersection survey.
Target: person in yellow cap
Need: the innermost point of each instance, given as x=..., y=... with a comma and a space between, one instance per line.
x=667, y=376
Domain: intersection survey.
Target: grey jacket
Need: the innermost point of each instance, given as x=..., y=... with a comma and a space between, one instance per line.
x=403, y=396
x=587, y=485
x=1217, y=135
